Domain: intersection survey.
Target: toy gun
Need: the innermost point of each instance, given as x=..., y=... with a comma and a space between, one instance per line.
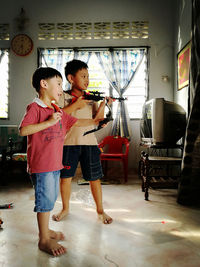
x=97, y=96
x=57, y=109
x=101, y=123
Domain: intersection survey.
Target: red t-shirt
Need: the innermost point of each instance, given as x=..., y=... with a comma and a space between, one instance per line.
x=45, y=148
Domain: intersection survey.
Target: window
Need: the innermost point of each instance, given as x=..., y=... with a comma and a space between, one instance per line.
x=4, y=77
x=136, y=92
x=98, y=80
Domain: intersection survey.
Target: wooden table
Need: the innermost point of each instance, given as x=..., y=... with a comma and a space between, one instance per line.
x=157, y=172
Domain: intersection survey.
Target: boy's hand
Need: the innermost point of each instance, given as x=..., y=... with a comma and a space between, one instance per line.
x=55, y=118
x=97, y=121
x=109, y=100
x=81, y=102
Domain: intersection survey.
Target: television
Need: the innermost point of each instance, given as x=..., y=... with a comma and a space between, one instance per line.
x=163, y=122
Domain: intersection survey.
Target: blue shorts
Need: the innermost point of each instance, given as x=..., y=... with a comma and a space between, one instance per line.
x=89, y=157
x=46, y=185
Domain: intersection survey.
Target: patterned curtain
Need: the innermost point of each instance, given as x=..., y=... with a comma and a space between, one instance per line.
x=189, y=186
x=56, y=58
x=120, y=67
x=82, y=55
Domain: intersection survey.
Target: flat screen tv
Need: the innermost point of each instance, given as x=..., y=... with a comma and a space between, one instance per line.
x=163, y=122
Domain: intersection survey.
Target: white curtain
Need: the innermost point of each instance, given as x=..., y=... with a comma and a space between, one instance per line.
x=57, y=59
x=120, y=67
x=82, y=55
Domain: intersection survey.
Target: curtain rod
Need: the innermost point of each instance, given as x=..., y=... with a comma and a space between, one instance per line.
x=106, y=48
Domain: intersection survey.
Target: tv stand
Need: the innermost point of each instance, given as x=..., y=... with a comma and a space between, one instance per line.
x=159, y=147
x=157, y=169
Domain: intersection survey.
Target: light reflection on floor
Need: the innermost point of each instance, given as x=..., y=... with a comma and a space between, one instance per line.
x=155, y=233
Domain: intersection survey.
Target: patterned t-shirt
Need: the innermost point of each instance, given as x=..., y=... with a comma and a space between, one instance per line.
x=45, y=148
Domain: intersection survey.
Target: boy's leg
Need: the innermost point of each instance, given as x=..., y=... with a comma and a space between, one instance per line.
x=70, y=163
x=46, y=187
x=65, y=191
x=92, y=170
x=46, y=242
x=97, y=195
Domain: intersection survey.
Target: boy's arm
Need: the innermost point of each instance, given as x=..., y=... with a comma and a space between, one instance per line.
x=78, y=104
x=98, y=112
x=34, y=128
x=86, y=122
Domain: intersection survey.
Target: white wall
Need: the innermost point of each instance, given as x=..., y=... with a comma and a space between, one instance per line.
x=160, y=15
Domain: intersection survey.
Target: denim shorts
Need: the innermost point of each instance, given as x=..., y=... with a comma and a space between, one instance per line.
x=46, y=185
x=89, y=157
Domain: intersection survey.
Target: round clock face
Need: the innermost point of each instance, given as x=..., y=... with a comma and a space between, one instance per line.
x=22, y=45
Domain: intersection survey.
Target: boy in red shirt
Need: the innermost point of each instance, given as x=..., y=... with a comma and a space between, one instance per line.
x=46, y=130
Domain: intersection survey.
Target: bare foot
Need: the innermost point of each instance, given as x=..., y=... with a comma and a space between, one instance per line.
x=58, y=217
x=52, y=247
x=105, y=218
x=56, y=235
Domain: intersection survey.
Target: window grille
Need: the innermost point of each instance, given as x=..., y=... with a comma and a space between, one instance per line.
x=96, y=30
x=65, y=31
x=102, y=30
x=46, y=31
x=140, y=30
x=4, y=32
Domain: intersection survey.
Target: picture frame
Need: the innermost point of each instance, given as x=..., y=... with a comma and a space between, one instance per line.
x=183, y=58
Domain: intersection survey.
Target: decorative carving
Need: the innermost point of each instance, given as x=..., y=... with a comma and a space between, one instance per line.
x=96, y=30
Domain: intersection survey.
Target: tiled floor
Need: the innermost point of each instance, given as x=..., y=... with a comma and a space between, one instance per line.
x=144, y=234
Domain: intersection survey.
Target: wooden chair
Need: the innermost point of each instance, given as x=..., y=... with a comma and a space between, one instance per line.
x=115, y=148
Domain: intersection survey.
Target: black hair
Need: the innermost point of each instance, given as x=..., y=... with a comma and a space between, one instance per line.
x=73, y=66
x=43, y=74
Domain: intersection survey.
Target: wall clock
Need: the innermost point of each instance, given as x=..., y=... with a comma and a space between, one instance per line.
x=22, y=45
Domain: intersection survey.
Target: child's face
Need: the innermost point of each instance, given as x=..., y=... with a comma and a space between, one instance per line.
x=54, y=88
x=80, y=80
